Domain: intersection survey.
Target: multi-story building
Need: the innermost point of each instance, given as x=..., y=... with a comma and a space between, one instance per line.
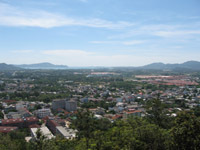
x=71, y=105
x=58, y=103
x=41, y=113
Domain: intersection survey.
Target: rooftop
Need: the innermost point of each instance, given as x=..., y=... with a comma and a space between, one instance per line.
x=45, y=131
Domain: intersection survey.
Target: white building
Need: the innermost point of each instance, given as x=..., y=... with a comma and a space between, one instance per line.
x=41, y=113
x=44, y=130
x=66, y=132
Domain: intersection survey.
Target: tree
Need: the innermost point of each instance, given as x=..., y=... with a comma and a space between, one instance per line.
x=13, y=141
x=1, y=115
x=186, y=131
x=157, y=114
x=85, y=124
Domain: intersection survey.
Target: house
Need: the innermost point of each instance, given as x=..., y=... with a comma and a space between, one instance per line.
x=41, y=113
x=13, y=115
x=132, y=113
x=24, y=113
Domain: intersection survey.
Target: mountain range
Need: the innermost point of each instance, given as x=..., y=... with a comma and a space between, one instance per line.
x=5, y=67
x=189, y=65
x=44, y=65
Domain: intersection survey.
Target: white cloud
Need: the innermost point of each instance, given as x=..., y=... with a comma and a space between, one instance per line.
x=177, y=33
x=161, y=30
x=11, y=16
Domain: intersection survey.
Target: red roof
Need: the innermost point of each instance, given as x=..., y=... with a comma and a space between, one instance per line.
x=20, y=120
x=9, y=101
x=34, y=126
x=31, y=119
x=54, y=123
x=12, y=121
x=7, y=129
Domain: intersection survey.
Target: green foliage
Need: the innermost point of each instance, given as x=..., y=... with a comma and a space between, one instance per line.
x=186, y=131
x=134, y=133
x=102, y=104
x=157, y=114
x=1, y=115
x=1, y=106
x=13, y=141
x=197, y=111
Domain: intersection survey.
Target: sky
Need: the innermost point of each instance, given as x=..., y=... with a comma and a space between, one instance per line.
x=99, y=32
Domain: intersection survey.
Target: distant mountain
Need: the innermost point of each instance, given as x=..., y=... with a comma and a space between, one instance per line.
x=4, y=67
x=45, y=65
x=154, y=66
x=192, y=65
x=189, y=65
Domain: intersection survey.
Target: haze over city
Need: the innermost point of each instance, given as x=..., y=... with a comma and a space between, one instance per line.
x=99, y=33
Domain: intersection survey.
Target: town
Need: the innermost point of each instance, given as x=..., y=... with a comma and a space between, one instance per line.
x=49, y=100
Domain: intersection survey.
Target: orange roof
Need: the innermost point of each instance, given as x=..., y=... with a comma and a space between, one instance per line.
x=132, y=112
x=116, y=117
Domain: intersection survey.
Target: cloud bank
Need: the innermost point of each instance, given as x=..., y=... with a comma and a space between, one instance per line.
x=11, y=16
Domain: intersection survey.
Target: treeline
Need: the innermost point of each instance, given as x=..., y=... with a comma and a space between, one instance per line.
x=95, y=104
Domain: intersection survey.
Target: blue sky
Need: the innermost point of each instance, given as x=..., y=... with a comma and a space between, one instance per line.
x=99, y=32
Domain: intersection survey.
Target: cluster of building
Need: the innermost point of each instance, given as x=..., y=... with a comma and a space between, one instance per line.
x=54, y=118
x=42, y=120
x=168, y=80
x=8, y=125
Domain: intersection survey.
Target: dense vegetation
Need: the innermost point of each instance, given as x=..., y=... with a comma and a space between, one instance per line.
x=153, y=132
